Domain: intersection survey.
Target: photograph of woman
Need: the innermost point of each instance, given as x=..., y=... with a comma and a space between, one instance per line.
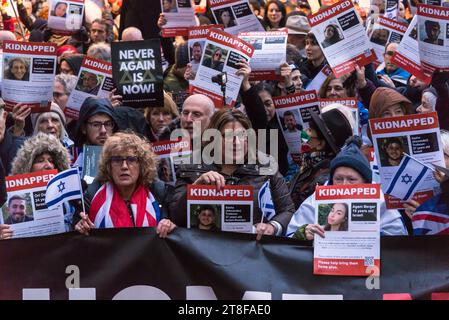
x=17, y=69
x=337, y=220
x=226, y=18
x=331, y=36
x=60, y=10
x=215, y=61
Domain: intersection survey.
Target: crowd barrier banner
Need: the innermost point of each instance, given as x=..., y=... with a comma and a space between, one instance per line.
x=200, y=265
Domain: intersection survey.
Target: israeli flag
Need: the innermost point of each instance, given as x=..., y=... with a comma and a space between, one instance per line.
x=266, y=202
x=63, y=187
x=406, y=181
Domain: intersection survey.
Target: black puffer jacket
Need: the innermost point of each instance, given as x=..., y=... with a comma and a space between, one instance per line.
x=244, y=175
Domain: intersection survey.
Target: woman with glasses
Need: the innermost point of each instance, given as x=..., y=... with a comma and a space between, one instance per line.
x=215, y=61
x=126, y=170
x=233, y=167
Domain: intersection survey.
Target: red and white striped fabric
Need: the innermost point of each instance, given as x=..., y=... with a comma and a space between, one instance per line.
x=109, y=210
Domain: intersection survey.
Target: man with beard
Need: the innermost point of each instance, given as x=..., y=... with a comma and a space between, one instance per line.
x=17, y=210
x=197, y=50
x=390, y=73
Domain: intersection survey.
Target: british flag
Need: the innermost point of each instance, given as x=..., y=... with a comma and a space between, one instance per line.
x=431, y=218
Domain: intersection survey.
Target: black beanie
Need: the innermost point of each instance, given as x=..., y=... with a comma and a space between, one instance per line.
x=350, y=156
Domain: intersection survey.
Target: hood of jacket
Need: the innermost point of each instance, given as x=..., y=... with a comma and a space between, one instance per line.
x=37, y=145
x=385, y=97
x=90, y=107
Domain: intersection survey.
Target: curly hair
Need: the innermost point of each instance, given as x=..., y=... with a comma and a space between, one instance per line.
x=347, y=80
x=123, y=142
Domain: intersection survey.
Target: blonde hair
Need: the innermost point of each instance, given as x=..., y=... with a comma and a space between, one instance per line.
x=122, y=142
x=169, y=106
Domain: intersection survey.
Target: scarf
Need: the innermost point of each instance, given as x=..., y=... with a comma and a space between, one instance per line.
x=109, y=210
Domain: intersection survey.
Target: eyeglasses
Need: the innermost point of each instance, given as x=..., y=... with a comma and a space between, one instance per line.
x=117, y=161
x=389, y=53
x=217, y=55
x=109, y=125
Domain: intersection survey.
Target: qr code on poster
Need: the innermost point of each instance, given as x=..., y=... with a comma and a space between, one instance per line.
x=369, y=261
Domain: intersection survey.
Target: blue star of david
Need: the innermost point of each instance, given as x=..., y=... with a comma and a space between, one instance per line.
x=406, y=178
x=61, y=186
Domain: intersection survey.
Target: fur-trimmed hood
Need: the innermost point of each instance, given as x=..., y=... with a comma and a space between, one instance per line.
x=36, y=146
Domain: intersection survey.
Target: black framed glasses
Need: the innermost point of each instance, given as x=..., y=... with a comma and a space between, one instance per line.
x=117, y=161
x=109, y=125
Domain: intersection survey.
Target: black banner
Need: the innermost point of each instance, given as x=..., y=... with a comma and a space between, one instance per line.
x=137, y=72
x=194, y=264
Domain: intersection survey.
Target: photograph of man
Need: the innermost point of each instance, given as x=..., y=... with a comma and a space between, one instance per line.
x=290, y=123
x=60, y=10
x=380, y=36
x=433, y=31
x=393, y=152
x=88, y=83
x=17, y=210
x=215, y=61
x=206, y=216
x=17, y=69
x=195, y=58
x=331, y=36
x=169, y=6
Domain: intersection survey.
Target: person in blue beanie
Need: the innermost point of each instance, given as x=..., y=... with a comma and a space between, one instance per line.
x=350, y=166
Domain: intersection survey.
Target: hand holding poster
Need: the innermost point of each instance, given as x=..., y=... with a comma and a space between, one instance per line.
x=65, y=16
x=171, y=153
x=235, y=16
x=384, y=32
x=197, y=40
x=293, y=113
x=350, y=217
x=407, y=54
x=269, y=53
x=94, y=80
x=179, y=15
x=218, y=67
x=137, y=71
x=28, y=74
x=342, y=37
x=433, y=38
x=230, y=209
x=25, y=211
x=416, y=135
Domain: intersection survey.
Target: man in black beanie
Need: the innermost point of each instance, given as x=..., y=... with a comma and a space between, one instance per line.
x=350, y=166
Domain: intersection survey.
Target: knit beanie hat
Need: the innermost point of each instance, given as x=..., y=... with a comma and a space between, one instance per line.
x=53, y=108
x=350, y=156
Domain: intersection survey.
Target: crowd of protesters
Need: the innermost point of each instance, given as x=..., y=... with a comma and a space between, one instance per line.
x=127, y=185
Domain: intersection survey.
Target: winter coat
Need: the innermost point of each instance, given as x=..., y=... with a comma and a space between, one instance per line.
x=36, y=146
x=244, y=175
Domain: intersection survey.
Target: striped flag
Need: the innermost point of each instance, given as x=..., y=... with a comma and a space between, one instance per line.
x=408, y=177
x=266, y=201
x=431, y=217
x=63, y=187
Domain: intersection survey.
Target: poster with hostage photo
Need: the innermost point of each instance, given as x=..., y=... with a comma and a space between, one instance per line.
x=235, y=16
x=29, y=70
x=179, y=15
x=230, y=209
x=25, y=210
x=386, y=31
x=66, y=16
x=342, y=37
x=349, y=215
x=416, y=135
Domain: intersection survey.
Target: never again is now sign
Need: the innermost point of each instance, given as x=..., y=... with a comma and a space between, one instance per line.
x=137, y=72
